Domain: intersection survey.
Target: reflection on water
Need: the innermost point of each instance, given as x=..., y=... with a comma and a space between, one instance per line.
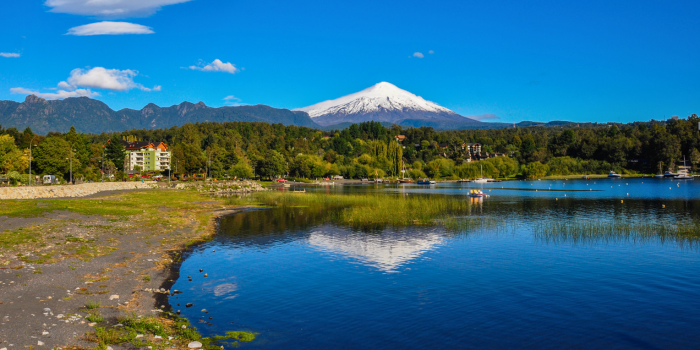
x=303, y=282
x=385, y=251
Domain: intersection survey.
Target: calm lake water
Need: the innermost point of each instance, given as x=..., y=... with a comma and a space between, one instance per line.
x=303, y=284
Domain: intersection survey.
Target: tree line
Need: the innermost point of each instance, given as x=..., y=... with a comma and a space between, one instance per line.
x=367, y=150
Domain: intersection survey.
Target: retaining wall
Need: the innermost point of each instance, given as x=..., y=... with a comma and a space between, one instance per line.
x=56, y=191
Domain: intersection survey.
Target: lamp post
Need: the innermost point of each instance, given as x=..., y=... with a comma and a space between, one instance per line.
x=30, y=160
x=71, y=164
x=208, y=165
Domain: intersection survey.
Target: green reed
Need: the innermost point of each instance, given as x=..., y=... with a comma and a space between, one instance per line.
x=368, y=210
x=583, y=231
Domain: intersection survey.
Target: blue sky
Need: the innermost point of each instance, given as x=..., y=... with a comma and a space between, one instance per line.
x=599, y=61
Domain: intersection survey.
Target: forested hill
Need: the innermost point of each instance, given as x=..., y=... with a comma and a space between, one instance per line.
x=369, y=149
x=93, y=116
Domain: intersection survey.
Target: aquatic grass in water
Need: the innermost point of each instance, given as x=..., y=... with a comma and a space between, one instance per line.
x=584, y=231
x=368, y=210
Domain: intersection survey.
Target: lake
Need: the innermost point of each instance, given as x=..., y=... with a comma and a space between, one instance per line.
x=305, y=284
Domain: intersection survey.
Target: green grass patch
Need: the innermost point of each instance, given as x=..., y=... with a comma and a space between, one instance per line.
x=9, y=239
x=370, y=210
x=172, y=326
x=95, y=317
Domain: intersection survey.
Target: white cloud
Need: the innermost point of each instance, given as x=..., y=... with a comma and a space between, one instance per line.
x=108, y=79
x=431, y=52
x=233, y=101
x=110, y=8
x=418, y=54
x=216, y=66
x=80, y=81
x=484, y=117
x=9, y=54
x=109, y=28
x=61, y=94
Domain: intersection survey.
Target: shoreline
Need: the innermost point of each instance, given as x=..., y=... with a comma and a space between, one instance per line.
x=120, y=263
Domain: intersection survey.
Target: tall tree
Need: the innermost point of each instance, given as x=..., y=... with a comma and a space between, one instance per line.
x=11, y=157
x=115, y=152
x=52, y=156
x=273, y=165
x=395, y=155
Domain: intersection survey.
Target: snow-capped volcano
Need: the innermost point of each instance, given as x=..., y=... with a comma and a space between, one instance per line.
x=383, y=102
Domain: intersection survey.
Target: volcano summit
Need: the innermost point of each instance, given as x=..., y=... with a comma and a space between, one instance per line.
x=384, y=102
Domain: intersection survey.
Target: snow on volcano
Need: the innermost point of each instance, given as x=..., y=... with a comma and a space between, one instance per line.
x=383, y=102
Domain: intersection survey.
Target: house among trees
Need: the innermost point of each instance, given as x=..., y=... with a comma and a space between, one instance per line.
x=399, y=138
x=146, y=156
x=473, y=148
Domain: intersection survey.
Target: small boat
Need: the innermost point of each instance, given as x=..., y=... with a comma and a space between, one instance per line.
x=426, y=182
x=477, y=193
x=586, y=177
x=670, y=174
x=684, y=172
x=403, y=179
x=464, y=180
x=614, y=175
x=660, y=174
x=482, y=179
x=378, y=181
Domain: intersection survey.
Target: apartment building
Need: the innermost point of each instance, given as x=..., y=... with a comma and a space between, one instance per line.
x=147, y=156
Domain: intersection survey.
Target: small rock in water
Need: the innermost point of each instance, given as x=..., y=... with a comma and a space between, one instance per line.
x=205, y=275
x=201, y=270
x=204, y=310
x=178, y=312
x=194, y=345
x=189, y=305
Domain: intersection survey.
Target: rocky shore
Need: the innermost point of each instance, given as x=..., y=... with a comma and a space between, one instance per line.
x=222, y=188
x=70, y=191
x=68, y=279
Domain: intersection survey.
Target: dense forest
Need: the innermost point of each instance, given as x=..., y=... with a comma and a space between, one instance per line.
x=245, y=149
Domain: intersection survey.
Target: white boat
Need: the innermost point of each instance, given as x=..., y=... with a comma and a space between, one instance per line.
x=482, y=179
x=426, y=182
x=660, y=174
x=614, y=175
x=684, y=172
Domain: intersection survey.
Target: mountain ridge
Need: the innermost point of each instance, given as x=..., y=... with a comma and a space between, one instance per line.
x=94, y=116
